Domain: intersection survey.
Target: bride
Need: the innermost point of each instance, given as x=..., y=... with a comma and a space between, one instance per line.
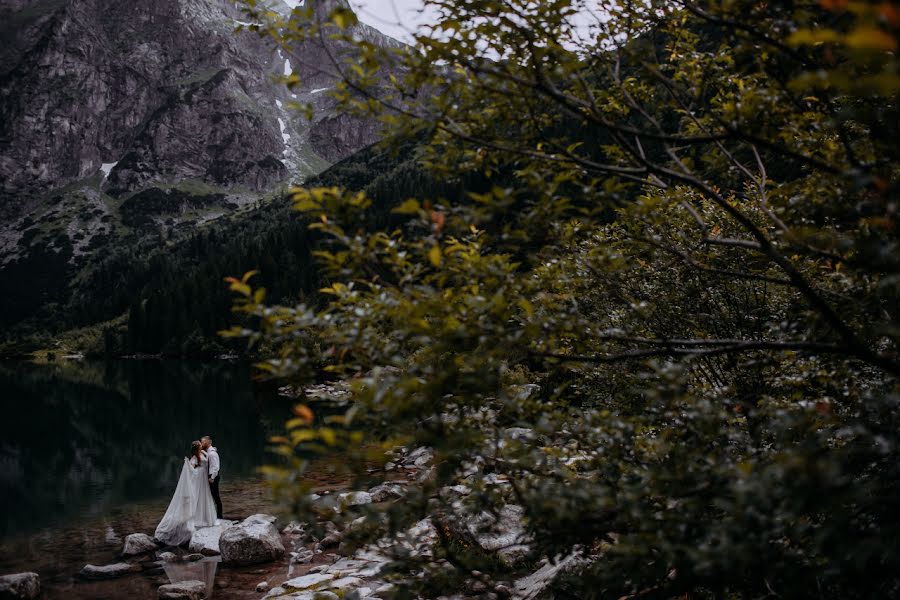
x=192, y=505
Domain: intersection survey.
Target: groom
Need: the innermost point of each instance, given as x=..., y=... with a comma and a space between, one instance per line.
x=212, y=456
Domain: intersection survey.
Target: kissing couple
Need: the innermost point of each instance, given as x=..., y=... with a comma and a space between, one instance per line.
x=196, y=502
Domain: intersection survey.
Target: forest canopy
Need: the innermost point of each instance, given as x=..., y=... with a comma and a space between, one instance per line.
x=665, y=332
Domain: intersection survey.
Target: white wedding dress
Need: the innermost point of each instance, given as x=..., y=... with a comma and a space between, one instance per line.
x=191, y=507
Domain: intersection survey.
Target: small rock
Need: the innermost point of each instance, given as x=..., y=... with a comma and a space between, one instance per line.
x=345, y=583
x=520, y=433
x=427, y=475
x=138, y=543
x=356, y=498
x=357, y=567
x=261, y=518
x=305, y=582
x=535, y=585
x=167, y=556
x=294, y=528
x=302, y=556
x=524, y=392
x=262, y=586
x=182, y=590
x=192, y=557
x=332, y=539
x=326, y=595
x=20, y=585
x=386, y=491
x=460, y=490
x=108, y=571
x=419, y=457
x=385, y=591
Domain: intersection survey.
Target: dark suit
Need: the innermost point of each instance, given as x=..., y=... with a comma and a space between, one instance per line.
x=214, y=465
x=214, y=489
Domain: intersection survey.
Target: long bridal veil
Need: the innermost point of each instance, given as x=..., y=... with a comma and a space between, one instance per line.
x=177, y=524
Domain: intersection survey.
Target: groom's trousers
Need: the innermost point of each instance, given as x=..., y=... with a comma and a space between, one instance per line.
x=214, y=489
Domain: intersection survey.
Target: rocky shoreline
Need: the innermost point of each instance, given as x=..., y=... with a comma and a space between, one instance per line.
x=305, y=566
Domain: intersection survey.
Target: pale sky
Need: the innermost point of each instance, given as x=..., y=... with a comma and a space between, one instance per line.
x=401, y=18
x=397, y=18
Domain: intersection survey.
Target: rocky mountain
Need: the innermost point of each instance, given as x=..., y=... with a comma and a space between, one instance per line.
x=122, y=120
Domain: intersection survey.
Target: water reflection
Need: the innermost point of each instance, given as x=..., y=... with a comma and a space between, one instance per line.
x=202, y=570
x=81, y=439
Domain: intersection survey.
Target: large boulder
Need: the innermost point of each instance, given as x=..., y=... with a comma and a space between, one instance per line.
x=182, y=590
x=254, y=540
x=109, y=571
x=20, y=585
x=139, y=543
x=206, y=539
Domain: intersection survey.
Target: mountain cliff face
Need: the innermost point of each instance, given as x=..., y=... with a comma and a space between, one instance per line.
x=122, y=120
x=160, y=91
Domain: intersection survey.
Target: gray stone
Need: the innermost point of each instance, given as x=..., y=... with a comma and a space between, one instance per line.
x=386, y=491
x=533, y=586
x=261, y=518
x=355, y=498
x=138, y=543
x=182, y=590
x=505, y=535
x=302, y=556
x=294, y=528
x=520, y=433
x=386, y=590
x=459, y=490
x=419, y=457
x=332, y=539
x=192, y=557
x=252, y=541
x=427, y=475
x=206, y=539
x=20, y=585
x=325, y=595
x=167, y=556
x=525, y=392
x=262, y=586
x=345, y=583
x=310, y=581
x=109, y=571
x=357, y=567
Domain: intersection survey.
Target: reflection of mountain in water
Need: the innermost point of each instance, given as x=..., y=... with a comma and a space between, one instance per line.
x=83, y=439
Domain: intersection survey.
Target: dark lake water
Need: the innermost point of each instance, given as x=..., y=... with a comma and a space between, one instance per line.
x=82, y=438
x=91, y=451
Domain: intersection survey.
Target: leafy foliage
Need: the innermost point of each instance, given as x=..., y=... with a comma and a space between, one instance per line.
x=689, y=245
